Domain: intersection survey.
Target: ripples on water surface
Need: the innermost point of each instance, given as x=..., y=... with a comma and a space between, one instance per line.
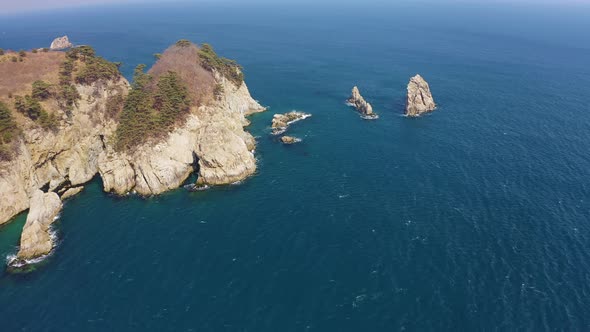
x=472, y=218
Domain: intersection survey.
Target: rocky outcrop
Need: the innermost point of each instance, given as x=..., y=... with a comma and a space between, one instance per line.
x=71, y=192
x=212, y=141
x=419, y=99
x=281, y=122
x=290, y=140
x=363, y=107
x=61, y=43
x=62, y=159
x=36, y=240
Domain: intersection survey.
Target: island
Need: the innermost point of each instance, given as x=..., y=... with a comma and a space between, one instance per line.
x=68, y=116
x=419, y=98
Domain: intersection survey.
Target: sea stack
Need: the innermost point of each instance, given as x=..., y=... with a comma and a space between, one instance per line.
x=419, y=99
x=36, y=239
x=358, y=102
x=61, y=43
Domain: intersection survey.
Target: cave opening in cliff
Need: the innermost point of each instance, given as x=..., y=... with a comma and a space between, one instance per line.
x=192, y=179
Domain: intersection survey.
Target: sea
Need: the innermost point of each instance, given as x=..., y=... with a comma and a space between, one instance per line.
x=475, y=217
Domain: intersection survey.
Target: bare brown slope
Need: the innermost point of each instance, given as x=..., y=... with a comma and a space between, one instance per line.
x=185, y=61
x=16, y=78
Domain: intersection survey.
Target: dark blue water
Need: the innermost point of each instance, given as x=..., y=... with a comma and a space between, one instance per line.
x=475, y=217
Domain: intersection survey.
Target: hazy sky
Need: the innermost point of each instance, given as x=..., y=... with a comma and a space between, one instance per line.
x=27, y=5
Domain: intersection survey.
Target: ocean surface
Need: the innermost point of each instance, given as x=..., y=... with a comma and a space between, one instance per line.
x=475, y=217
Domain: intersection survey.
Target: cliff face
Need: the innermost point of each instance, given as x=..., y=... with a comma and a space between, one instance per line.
x=212, y=141
x=59, y=160
x=419, y=98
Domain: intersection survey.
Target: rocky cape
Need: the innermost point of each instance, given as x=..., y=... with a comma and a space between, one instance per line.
x=357, y=101
x=419, y=98
x=54, y=165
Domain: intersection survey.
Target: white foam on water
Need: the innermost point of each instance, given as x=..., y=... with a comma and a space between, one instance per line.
x=370, y=117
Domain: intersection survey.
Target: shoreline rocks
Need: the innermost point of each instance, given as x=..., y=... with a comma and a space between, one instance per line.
x=357, y=101
x=288, y=140
x=36, y=240
x=60, y=43
x=281, y=122
x=419, y=98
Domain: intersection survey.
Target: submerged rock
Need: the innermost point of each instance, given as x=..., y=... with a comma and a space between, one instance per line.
x=362, y=106
x=36, y=239
x=281, y=122
x=419, y=99
x=290, y=140
x=61, y=43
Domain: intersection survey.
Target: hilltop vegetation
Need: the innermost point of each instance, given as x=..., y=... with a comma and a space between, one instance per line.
x=226, y=67
x=90, y=69
x=152, y=107
x=161, y=98
x=37, y=85
x=8, y=131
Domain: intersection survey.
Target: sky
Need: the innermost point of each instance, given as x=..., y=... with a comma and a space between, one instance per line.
x=8, y=6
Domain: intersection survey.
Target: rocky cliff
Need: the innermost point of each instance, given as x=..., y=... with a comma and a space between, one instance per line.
x=419, y=98
x=51, y=165
x=212, y=141
x=59, y=160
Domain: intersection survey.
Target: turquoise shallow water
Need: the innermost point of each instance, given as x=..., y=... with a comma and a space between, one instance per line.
x=475, y=217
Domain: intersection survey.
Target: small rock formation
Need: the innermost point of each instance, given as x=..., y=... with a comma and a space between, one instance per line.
x=281, y=122
x=357, y=101
x=71, y=192
x=290, y=140
x=35, y=239
x=419, y=99
x=61, y=43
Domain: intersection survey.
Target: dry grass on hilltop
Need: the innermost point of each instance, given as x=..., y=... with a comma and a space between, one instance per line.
x=16, y=78
x=185, y=61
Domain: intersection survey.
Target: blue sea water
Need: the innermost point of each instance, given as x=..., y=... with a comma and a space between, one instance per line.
x=476, y=217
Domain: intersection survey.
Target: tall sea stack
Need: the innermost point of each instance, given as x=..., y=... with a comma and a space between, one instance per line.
x=419, y=99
